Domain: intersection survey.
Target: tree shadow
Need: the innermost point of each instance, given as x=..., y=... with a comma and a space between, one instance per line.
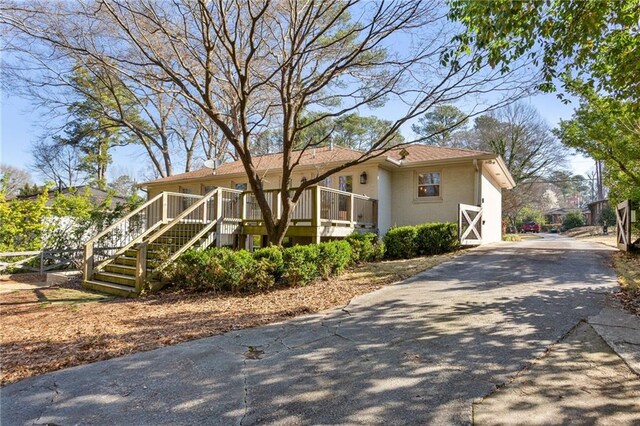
x=416, y=353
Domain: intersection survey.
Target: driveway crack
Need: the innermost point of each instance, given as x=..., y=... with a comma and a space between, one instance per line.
x=53, y=388
x=245, y=396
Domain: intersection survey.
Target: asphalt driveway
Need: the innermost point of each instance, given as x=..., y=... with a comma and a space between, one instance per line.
x=419, y=352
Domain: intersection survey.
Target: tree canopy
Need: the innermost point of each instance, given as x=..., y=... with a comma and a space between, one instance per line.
x=608, y=129
x=594, y=41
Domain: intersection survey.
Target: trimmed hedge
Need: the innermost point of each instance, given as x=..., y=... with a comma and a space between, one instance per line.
x=223, y=269
x=405, y=242
x=365, y=247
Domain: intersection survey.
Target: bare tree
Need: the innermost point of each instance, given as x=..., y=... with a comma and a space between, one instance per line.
x=12, y=179
x=518, y=133
x=58, y=163
x=258, y=66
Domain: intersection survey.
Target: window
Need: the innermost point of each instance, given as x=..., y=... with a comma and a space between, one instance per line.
x=326, y=183
x=345, y=183
x=207, y=189
x=186, y=201
x=429, y=185
x=240, y=186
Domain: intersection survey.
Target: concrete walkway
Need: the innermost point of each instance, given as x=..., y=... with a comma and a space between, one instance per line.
x=420, y=352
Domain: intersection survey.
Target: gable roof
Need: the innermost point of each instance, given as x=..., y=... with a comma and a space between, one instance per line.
x=328, y=155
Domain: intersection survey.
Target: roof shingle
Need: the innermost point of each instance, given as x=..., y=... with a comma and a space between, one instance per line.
x=324, y=155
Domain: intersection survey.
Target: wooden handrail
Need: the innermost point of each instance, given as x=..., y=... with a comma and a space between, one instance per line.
x=127, y=217
x=176, y=220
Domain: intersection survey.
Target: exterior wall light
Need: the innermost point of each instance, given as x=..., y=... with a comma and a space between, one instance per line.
x=363, y=178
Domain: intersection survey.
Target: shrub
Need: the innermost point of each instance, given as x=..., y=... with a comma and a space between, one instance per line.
x=214, y=269
x=365, y=247
x=263, y=275
x=573, y=220
x=333, y=258
x=608, y=215
x=400, y=242
x=237, y=269
x=300, y=264
x=436, y=238
x=196, y=270
x=271, y=257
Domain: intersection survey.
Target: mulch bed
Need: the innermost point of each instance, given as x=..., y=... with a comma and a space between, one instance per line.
x=627, y=265
x=38, y=336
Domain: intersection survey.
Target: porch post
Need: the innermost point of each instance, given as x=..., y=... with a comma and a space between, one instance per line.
x=164, y=207
x=316, y=221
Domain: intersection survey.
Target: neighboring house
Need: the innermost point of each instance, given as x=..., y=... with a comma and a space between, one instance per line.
x=96, y=196
x=595, y=212
x=557, y=216
x=406, y=186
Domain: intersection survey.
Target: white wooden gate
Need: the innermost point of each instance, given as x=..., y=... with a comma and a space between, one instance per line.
x=623, y=225
x=469, y=225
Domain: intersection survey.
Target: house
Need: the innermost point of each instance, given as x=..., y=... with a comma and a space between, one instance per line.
x=556, y=216
x=406, y=186
x=96, y=196
x=411, y=185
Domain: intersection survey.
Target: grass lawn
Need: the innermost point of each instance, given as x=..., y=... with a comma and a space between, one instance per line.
x=52, y=328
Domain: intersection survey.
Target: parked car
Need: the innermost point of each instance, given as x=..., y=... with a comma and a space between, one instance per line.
x=530, y=227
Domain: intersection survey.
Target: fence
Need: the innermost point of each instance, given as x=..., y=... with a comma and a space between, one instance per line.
x=40, y=261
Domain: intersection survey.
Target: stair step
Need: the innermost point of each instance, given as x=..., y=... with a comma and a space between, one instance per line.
x=114, y=278
x=123, y=269
x=125, y=261
x=110, y=288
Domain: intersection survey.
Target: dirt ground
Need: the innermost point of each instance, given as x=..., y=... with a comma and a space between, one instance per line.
x=581, y=380
x=52, y=328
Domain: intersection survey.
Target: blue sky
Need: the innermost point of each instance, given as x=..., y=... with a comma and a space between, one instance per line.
x=20, y=126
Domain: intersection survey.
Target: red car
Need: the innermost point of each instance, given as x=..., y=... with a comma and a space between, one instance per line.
x=530, y=227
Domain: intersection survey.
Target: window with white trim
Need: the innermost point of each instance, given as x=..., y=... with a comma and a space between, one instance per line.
x=429, y=185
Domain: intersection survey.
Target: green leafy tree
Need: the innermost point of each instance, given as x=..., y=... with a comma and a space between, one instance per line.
x=91, y=129
x=607, y=129
x=440, y=125
x=596, y=41
x=529, y=214
x=22, y=222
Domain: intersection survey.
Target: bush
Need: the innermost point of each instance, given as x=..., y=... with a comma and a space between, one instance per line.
x=196, y=270
x=573, y=220
x=300, y=264
x=271, y=258
x=238, y=268
x=333, y=258
x=365, y=247
x=436, y=238
x=608, y=215
x=400, y=242
x=405, y=242
x=214, y=269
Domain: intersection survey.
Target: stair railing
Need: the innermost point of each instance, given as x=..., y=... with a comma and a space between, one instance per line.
x=183, y=232
x=123, y=233
x=132, y=228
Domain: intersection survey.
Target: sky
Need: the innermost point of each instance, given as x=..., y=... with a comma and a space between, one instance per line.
x=20, y=126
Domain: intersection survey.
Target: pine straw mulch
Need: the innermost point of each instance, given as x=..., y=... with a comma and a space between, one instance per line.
x=627, y=265
x=48, y=329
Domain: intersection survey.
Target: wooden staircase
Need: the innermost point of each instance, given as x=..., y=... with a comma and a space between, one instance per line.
x=119, y=276
x=124, y=259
